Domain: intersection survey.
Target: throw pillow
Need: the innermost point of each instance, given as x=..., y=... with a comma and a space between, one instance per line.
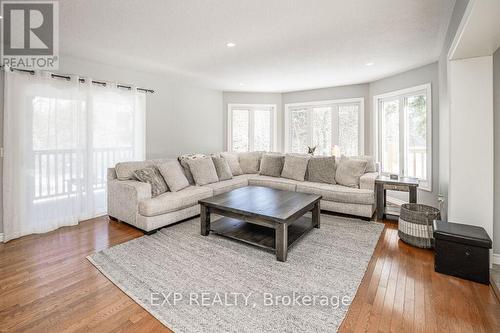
x=153, y=177
x=250, y=162
x=349, y=170
x=370, y=165
x=234, y=163
x=203, y=171
x=321, y=170
x=271, y=165
x=295, y=167
x=173, y=175
x=125, y=170
x=183, y=160
x=222, y=168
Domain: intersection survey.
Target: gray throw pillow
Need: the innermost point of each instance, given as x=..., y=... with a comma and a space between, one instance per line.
x=173, y=175
x=125, y=170
x=203, y=171
x=321, y=170
x=271, y=165
x=250, y=161
x=349, y=170
x=222, y=168
x=153, y=177
x=233, y=162
x=295, y=167
x=183, y=161
x=370, y=162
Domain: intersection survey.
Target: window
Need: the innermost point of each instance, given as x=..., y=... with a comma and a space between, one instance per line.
x=403, y=133
x=324, y=125
x=251, y=127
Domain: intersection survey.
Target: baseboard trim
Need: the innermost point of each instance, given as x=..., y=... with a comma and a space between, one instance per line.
x=1, y=237
x=496, y=258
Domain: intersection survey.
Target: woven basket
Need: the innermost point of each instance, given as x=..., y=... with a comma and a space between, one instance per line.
x=415, y=224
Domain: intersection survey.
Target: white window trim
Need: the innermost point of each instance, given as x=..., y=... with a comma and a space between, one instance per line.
x=377, y=99
x=251, y=107
x=361, y=119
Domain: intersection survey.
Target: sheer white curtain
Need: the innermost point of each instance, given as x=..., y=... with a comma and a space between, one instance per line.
x=59, y=139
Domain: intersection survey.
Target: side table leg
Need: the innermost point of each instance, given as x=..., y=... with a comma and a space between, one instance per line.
x=205, y=220
x=316, y=212
x=281, y=241
x=413, y=194
x=380, y=201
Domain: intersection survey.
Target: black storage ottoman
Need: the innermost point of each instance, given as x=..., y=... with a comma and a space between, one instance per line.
x=462, y=250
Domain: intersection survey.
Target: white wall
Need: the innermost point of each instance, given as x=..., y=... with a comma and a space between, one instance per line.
x=496, y=107
x=182, y=115
x=471, y=142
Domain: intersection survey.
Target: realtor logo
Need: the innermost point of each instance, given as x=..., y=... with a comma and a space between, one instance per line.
x=30, y=34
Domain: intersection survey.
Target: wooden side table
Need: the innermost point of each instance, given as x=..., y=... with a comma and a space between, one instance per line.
x=385, y=183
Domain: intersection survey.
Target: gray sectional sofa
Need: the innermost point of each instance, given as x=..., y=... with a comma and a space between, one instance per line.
x=131, y=201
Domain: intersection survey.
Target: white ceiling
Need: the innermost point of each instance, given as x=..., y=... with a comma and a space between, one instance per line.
x=479, y=33
x=281, y=45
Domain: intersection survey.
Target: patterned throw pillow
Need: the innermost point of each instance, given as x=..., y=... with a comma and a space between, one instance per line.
x=271, y=165
x=321, y=170
x=183, y=159
x=222, y=168
x=349, y=170
x=153, y=177
x=295, y=167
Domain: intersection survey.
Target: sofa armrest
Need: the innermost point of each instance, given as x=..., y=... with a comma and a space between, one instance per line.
x=124, y=197
x=367, y=181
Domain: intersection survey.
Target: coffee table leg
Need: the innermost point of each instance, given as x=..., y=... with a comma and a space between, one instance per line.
x=281, y=241
x=205, y=220
x=316, y=211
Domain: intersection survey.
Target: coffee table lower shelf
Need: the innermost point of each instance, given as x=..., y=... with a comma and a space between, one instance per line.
x=257, y=235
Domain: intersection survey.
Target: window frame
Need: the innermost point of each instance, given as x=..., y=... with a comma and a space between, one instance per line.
x=328, y=103
x=401, y=95
x=251, y=123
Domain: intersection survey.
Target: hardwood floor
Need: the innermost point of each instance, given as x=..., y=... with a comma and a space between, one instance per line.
x=47, y=285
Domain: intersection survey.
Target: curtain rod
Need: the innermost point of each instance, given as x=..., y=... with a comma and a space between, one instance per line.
x=82, y=80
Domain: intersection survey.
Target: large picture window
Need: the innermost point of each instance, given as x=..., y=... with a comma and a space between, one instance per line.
x=323, y=125
x=251, y=127
x=403, y=133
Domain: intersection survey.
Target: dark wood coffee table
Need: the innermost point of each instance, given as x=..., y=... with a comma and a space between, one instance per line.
x=262, y=216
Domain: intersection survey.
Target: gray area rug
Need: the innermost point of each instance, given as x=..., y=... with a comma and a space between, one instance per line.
x=193, y=283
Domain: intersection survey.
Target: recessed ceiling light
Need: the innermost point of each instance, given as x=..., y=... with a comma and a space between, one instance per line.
x=369, y=64
x=230, y=44
x=241, y=84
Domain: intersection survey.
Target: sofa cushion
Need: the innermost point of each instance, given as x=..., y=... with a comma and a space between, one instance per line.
x=321, y=170
x=173, y=201
x=338, y=193
x=233, y=161
x=153, y=177
x=271, y=165
x=183, y=159
x=125, y=170
x=174, y=175
x=349, y=171
x=222, y=168
x=295, y=167
x=203, y=171
x=228, y=185
x=250, y=161
x=273, y=182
